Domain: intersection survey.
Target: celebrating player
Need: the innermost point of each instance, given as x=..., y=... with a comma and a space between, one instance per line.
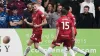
x=38, y=21
x=72, y=17
x=64, y=33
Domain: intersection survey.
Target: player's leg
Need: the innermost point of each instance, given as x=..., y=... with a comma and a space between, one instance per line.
x=68, y=44
x=80, y=51
x=36, y=46
x=71, y=51
x=53, y=45
x=37, y=38
x=65, y=51
x=30, y=42
x=50, y=49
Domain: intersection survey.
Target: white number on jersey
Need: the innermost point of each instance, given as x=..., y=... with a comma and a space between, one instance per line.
x=65, y=24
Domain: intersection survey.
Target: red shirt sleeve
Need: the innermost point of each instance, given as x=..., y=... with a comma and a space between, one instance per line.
x=72, y=24
x=74, y=20
x=42, y=15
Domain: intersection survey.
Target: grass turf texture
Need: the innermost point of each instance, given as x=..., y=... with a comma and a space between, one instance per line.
x=87, y=40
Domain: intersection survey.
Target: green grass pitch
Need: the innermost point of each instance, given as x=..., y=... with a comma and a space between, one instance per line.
x=86, y=39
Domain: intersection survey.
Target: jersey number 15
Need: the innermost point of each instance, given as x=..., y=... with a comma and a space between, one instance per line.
x=65, y=25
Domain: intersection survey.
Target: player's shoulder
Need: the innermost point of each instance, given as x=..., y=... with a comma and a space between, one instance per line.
x=40, y=12
x=58, y=20
x=62, y=18
x=71, y=15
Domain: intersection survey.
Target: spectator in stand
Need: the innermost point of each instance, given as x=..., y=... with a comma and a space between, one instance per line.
x=27, y=1
x=19, y=4
x=86, y=19
x=1, y=1
x=97, y=7
x=28, y=15
x=15, y=20
x=54, y=2
x=40, y=7
x=54, y=16
x=75, y=5
x=5, y=2
x=10, y=5
x=33, y=0
x=49, y=11
x=92, y=1
x=3, y=17
x=90, y=4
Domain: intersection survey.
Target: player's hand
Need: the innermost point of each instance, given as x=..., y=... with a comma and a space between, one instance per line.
x=55, y=39
x=25, y=20
x=36, y=25
x=73, y=39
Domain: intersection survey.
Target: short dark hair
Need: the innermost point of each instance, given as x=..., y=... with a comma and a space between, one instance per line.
x=14, y=8
x=67, y=7
x=87, y=7
x=34, y=3
x=64, y=11
x=1, y=5
x=59, y=5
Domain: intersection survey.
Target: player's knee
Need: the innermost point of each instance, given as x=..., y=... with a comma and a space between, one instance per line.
x=36, y=47
x=29, y=44
x=53, y=46
x=68, y=48
x=75, y=48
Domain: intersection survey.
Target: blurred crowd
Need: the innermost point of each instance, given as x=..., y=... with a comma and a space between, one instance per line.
x=13, y=12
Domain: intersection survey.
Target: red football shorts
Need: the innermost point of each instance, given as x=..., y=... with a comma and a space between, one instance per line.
x=36, y=36
x=66, y=42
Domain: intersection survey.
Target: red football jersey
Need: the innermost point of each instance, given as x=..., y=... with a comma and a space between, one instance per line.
x=65, y=26
x=72, y=17
x=37, y=19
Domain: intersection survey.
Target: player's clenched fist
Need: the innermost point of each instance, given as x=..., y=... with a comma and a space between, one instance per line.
x=25, y=20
